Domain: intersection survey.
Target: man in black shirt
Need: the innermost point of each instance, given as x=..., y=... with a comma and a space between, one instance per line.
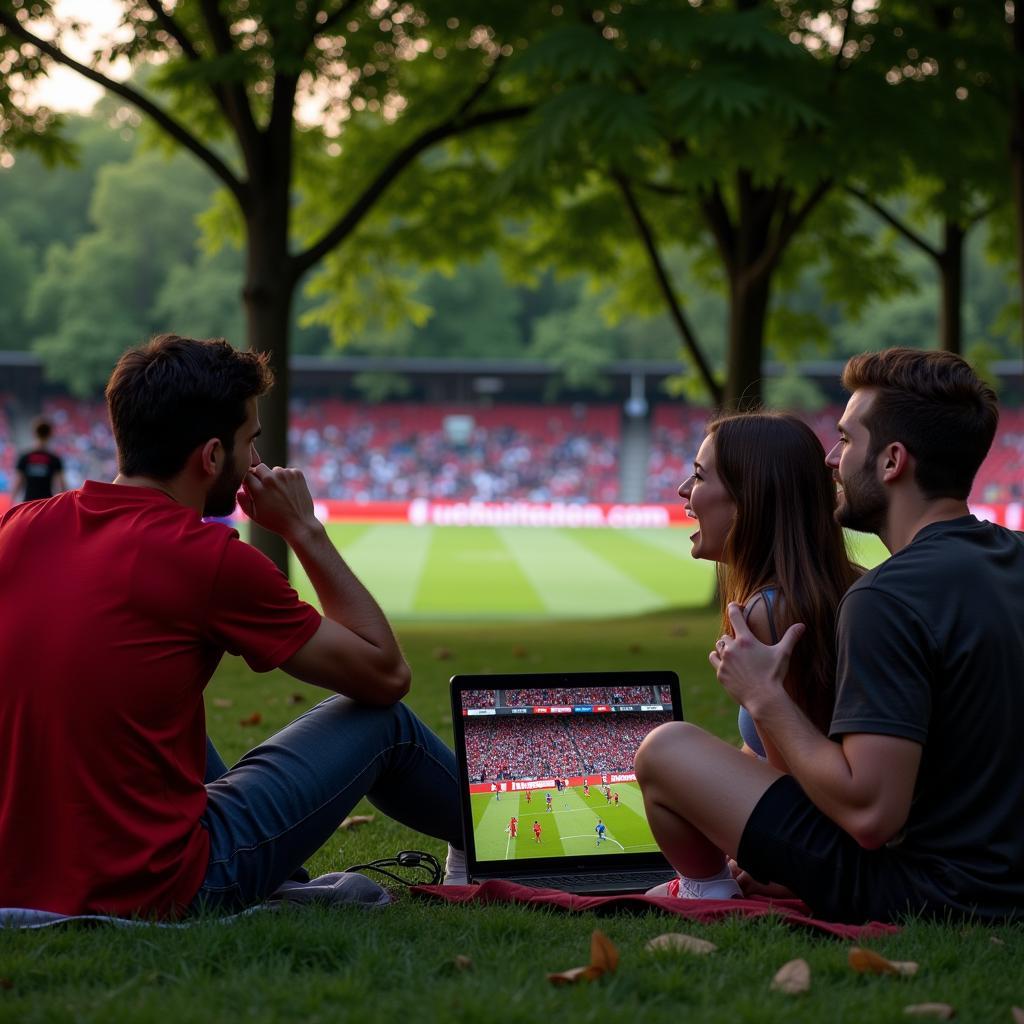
x=914, y=803
x=40, y=471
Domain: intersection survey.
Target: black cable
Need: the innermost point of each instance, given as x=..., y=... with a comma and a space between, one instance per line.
x=406, y=859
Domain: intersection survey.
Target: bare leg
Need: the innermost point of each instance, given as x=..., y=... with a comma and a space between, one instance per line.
x=699, y=793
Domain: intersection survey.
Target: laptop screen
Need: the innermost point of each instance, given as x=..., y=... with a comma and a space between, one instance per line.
x=548, y=762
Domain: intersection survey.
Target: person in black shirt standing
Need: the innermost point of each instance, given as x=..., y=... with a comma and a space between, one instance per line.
x=40, y=472
x=912, y=803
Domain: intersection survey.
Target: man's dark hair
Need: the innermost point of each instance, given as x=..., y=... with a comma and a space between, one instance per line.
x=935, y=405
x=42, y=428
x=173, y=394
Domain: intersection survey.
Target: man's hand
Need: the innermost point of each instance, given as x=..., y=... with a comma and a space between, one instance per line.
x=749, y=670
x=277, y=499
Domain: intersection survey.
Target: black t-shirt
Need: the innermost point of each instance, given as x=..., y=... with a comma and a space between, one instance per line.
x=931, y=649
x=39, y=467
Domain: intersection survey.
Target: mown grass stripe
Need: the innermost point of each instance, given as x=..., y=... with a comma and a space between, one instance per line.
x=573, y=580
x=471, y=570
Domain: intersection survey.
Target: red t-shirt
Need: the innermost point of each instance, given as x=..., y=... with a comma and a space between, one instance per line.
x=117, y=605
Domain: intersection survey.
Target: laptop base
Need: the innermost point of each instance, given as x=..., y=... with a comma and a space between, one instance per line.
x=616, y=883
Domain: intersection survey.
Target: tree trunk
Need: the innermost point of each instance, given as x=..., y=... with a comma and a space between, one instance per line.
x=267, y=296
x=748, y=311
x=951, y=273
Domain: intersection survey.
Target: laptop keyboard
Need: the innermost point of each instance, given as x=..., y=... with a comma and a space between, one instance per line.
x=614, y=879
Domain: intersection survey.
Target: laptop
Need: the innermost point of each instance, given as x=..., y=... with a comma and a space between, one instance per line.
x=548, y=793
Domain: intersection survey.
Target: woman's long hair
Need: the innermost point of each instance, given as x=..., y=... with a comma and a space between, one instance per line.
x=785, y=536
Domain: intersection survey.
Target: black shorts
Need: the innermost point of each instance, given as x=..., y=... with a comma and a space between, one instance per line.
x=789, y=841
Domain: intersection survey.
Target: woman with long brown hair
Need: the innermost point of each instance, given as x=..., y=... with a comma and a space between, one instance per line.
x=764, y=502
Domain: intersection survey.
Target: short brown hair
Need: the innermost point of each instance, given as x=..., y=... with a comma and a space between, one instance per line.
x=42, y=428
x=934, y=404
x=173, y=394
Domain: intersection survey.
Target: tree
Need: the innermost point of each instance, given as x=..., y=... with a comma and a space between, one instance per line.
x=386, y=82
x=720, y=126
x=942, y=60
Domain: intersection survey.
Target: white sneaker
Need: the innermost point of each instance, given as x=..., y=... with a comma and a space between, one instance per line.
x=689, y=889
x=455, y=867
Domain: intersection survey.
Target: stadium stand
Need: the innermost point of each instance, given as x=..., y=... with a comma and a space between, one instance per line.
x=676, y=433
x=577, y=695
x=556, y=453
x=528, y=748
x=7, y=448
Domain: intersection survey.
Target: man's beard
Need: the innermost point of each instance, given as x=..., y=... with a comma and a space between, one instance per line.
x=864, y=503
x=222, y=499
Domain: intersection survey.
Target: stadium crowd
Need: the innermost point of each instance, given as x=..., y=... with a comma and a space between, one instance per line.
x=399, y=452
x=528, y=748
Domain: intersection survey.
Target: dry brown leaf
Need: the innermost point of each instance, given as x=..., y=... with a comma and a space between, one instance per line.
x=1017, y=1014
x=574, y=974
x=443, y=654
x=793, y=978
x=603, y=954
x=867, y=961
x=461, y=962
x=296, y=698
x=604, y=957
x=6, y=984
x=519, y=652
x=356, y=819
x=679, y=941
x=634, y=648
x=222, y=702
x=254, y=719
x=941, y=1011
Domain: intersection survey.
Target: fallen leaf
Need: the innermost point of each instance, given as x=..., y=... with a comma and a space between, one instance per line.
x=519, y=652
x=634, y=648
x=679, y=941
x=296, y=698
x=677, y=631
x=254, y=719
x=6, y=984
x=1018, y=1014
x=574, y=974
x=603, y=953
x=866, y=961
x=222, y=702
x=356, y=819
x=461, y=962
x=996, y=941
x=941, y=1011
x=443, y=654
x=604, y=957
x=793, y=978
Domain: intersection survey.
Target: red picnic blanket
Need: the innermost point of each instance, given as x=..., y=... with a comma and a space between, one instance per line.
x=793, y=912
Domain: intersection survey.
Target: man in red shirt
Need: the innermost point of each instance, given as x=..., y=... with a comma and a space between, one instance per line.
x=513, y=826
x=536, y=831
x=111, y=798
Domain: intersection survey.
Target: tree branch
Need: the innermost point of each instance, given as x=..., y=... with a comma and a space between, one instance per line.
x=663, y=190
x=716, y=213
x=177, y=131
x=345, y=224
x=890, y=218
x=173, y=29
x=668, y=292
x=233, y=98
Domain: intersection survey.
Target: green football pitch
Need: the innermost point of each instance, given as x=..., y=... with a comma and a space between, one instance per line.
x=566, y=830
x=435, y=572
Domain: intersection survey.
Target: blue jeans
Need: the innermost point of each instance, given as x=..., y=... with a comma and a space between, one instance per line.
x=285, y=798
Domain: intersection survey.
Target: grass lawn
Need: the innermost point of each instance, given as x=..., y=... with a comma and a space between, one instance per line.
x=497, y=574
x=395, y=964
